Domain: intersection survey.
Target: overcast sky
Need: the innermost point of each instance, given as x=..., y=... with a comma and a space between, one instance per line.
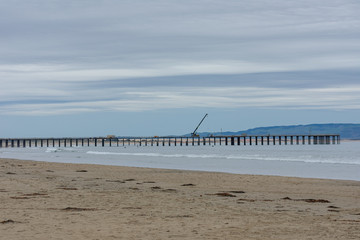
x=137, y=67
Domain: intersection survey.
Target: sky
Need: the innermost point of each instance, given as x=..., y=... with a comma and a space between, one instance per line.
x=144, y=68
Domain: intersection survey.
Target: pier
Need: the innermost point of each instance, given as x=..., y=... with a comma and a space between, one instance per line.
x=234, y=140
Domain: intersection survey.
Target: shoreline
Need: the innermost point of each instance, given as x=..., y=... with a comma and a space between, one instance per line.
x=193, y=170
x=45, y=200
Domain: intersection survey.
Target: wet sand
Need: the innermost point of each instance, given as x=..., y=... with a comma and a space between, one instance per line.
x=41, y=200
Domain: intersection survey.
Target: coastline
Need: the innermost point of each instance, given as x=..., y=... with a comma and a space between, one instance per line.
x=45, y=200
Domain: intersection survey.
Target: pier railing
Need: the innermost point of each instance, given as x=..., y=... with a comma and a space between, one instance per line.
x=171, y=141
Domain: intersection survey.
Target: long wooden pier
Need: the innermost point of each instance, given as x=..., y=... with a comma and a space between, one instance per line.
x=171, y=141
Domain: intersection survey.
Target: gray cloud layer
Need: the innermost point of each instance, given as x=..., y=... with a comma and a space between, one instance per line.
x=73, y=56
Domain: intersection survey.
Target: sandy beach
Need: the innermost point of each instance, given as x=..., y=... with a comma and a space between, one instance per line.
x=41, y=200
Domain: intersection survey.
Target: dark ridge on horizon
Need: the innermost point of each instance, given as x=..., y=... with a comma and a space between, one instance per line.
x=346, y=130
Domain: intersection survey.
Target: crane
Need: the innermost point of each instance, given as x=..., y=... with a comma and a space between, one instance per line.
x=193, y=134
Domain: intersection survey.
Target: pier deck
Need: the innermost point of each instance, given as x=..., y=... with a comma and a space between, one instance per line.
x=235, y=140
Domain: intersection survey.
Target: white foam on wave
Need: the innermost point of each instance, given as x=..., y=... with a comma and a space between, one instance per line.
x=53, y=150
x=156, y=155
x=306, y=159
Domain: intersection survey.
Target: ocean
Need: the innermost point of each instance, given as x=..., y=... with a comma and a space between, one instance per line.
x=338, y=161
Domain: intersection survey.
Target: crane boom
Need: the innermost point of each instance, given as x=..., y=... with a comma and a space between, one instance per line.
x=194, y=133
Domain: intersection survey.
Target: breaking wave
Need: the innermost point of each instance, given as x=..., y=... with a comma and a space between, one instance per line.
x=306, y=159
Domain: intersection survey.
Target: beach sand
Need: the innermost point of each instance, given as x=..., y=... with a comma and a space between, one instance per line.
x=41, y=200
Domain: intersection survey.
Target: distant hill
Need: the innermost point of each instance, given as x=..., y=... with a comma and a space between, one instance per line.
x=346, y=131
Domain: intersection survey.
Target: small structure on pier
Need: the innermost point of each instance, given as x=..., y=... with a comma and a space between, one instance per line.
x=194, y=134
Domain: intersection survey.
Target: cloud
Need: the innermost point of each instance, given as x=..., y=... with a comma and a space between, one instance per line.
x=134, y=33
x=65, y=57
x=137, y=99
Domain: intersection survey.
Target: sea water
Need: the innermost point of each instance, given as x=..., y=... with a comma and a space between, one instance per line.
x=338, y=161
